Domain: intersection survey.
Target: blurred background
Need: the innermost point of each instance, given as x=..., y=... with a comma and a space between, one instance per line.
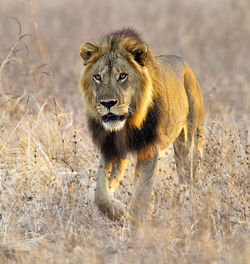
x=213, y=37
x=48, y=164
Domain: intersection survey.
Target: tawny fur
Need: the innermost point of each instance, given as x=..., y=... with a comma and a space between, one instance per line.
x=163, y=104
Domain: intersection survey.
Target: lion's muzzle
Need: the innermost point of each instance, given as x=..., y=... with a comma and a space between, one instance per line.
x=113, y=113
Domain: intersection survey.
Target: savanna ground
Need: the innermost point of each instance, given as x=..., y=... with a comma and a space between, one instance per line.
x=48, y=163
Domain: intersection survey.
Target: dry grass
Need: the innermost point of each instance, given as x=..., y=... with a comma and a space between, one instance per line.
x=48, y=163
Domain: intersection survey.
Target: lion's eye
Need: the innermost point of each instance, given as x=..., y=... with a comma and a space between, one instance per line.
x=97, y=77
x=122, y=77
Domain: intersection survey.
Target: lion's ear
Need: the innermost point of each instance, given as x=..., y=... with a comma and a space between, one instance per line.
x=87, y=50
x=139, y=52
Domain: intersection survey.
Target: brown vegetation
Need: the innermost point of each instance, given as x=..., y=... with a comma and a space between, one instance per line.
x=48, y=163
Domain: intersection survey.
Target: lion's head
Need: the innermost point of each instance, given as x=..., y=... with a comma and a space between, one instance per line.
x=115, y=82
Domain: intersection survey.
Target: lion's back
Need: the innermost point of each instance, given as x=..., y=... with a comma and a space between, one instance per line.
x=172, y=63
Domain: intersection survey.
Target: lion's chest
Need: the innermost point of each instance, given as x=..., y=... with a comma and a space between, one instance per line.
x=130, y=139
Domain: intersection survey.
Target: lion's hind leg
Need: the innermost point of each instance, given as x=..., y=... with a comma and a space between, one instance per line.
x=181, y=151
x=188, y=150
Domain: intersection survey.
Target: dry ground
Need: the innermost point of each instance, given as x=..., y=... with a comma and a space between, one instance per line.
x=48, y=163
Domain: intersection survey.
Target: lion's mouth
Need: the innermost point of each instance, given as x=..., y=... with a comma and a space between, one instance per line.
x=112, y=117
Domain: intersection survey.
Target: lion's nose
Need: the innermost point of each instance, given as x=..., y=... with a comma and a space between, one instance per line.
x=109, y=104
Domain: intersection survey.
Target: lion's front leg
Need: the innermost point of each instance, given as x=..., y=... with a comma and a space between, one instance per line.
x=113, y=208
x=117, y=173
x=145, y=174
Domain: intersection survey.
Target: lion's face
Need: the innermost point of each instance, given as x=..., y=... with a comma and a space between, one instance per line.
x=115, y=82
x=112, y=84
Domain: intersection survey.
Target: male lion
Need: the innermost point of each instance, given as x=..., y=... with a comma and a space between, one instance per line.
x=138, y=103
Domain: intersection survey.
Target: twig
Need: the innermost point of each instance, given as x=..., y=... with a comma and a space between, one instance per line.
x=39, y=44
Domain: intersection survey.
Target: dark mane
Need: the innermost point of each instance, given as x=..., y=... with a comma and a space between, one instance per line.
x=126, y=32
x=130, y=139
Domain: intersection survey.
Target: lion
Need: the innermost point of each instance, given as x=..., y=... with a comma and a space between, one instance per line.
x=138, y=103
